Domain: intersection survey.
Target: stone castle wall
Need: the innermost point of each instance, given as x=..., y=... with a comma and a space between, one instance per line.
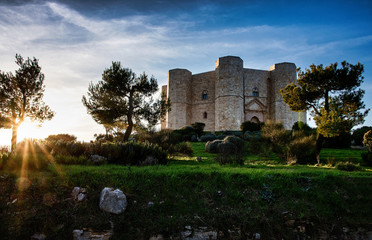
x=234, y=95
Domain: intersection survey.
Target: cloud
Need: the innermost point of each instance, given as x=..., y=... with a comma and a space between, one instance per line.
x=75, y=48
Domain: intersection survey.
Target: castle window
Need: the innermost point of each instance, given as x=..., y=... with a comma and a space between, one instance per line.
x=255, y=92
x=255, y=119
x=205, y=115
x=205, y=95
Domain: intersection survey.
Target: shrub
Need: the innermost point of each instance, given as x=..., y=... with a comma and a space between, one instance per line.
x=367, y=158
x=235, y=133
x=251, y=126
x=211, y=146
x=277, y=138
x=347, y=166
x=237, y=141
x=302, y=150
x=207, y=138
x=341, y=141
x=71, y=160
x=251, y=135
x=182, y=147
x=357, y=136
x=64, y=137
x=129, y=153
x=367, y=140
x=198, y=128
x=221, y=137
x=299, y=125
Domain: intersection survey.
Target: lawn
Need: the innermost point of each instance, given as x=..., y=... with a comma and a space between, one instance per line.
x=275, y=200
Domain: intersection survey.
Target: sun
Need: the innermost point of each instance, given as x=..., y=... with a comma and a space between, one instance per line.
x=29, y=129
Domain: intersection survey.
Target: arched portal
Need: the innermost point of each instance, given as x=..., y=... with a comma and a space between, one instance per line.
x=255, y=119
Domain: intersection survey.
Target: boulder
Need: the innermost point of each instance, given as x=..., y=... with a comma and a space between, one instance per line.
x=113, y=201
x=79, y=194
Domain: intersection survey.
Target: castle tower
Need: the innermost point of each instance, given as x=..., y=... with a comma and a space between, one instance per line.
x=179, y=93
x=229, y=97
x=283, y=74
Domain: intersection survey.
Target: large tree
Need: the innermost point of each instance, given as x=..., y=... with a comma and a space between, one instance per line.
x=122, y=97
x=21, y=96
x=332, y=94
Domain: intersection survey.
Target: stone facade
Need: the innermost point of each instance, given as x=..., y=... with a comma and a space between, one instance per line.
x=230, y=95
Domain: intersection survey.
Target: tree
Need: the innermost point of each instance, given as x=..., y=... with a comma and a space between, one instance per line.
x=122, y=97
x=332, y=94
x=21, y=96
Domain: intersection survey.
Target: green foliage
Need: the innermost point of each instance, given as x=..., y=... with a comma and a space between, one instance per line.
x=341, y=141
x=249, y=136
x=358, y=135
x=301, y=150
x=71, y=160
x=186, y=133
x=237, y=141
x=122, y=97
x=333, y=95
x=211, y=146
x=63, y=147
x=64, y=137
x=367, y=140
x=347, y=166
x=182, y=148
x=198, y=128
x=251, y=126
x=21, y=96
x=301, y=126
x=129, y=153
x=367, y=159
x=207, y=137
x=294, y=147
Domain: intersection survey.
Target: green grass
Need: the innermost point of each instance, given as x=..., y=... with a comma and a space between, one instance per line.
x=256, y=197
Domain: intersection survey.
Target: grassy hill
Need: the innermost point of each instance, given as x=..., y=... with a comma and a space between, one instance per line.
x=263, y=196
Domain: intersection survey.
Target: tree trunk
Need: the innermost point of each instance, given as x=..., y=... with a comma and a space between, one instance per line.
x=129, y=117
x=14, y=138
x=318, y=146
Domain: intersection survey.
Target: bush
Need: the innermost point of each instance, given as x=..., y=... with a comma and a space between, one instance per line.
x=182, y=147
x=299, y=125
x=235, y=133
x=130, y=153
x=207, y=138
x=367, y=159
x=251, y=126
x=71, y=160
x=237, y=141
x=198, y=128
x=357, y=136
x=277, y=138
x=64, y=137
x=341, y=141
x=367, y=140
x=211, y=146
x=221, y=137
x=302, y=150
x=347, y=166
x=252, y=135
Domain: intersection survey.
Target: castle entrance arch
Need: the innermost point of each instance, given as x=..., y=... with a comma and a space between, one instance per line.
x=255, y=119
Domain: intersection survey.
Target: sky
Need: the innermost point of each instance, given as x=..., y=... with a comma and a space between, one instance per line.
x=75, y=41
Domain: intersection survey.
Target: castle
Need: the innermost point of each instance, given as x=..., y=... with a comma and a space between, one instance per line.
x=229, y=95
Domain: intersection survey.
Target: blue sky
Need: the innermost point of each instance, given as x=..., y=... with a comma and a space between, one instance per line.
x=76, y=40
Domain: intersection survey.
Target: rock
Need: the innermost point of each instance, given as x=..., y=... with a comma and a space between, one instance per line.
x=79, y=194
x=257, y=236
x=369, y=235
x=198, y=235
x=188, y=227
x=150, y=204
x=199, y=159
x=38, y=236
x=113, y=201
x=97, y=159
x=88, y=234
x=149, y=161
x=157, y=237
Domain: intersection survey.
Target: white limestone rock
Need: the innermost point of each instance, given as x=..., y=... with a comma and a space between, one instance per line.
x=113, y=201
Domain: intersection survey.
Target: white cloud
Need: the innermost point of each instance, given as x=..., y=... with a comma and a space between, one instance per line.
x=74, y=49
